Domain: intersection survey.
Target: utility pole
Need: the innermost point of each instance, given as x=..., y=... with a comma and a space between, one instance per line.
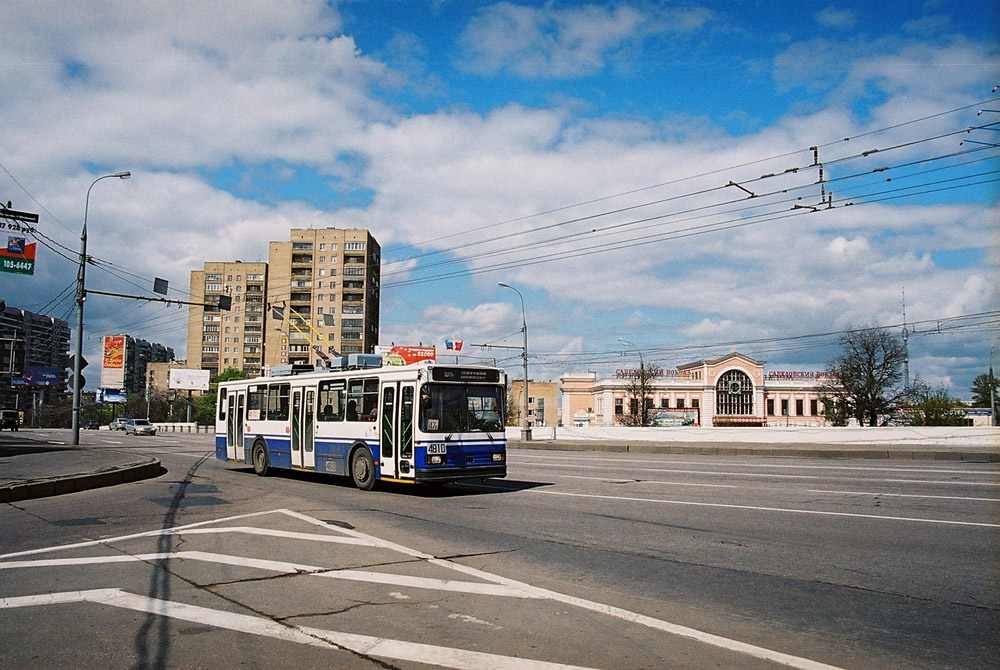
x=906, y=349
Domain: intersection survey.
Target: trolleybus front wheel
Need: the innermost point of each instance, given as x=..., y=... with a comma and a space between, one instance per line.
x=363, y=469
x=261, y=463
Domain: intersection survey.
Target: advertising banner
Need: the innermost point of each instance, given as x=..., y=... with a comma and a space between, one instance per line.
x=190, y=380
x=38, y=377
x=113, y=366
x=408, y=355
x=18, y=256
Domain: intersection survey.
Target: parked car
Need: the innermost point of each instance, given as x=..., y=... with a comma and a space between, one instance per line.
x=117, y=423
x=91, y=425
x=139, y=427
x=10, y=419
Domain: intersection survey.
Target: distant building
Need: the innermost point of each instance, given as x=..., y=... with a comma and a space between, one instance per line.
x=732, y=390
x=543, y=403
x=323, y=288
x=33, y=358
x=219, y=339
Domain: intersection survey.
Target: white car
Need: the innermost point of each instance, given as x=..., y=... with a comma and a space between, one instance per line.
x=139, y=427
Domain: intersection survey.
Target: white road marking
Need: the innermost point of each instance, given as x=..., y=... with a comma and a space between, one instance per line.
x=367, y=645
x=762, y=475
x=759, y=508
x=903, y=495
x=651, y=481
x=397, y=649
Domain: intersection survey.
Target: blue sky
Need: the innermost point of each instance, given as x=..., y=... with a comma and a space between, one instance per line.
x=597, y=156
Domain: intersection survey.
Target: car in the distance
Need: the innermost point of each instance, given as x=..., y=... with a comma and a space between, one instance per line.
x=10, y=419
x=91, y=425
x=139, y=427
x=118, y=423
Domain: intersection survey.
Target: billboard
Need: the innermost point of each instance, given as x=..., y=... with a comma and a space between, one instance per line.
x=109, y=395
x=38, y=377
x=188, y=380
x=113, y=365
x=398, y=355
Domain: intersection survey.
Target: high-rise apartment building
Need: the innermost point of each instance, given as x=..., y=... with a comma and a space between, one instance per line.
x=33, y=357
x=323, y=289
x=217, y=338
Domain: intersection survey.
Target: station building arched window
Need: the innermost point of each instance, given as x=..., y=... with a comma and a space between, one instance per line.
x=734, y=394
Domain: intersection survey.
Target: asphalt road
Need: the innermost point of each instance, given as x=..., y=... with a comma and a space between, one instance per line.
x=591, y=559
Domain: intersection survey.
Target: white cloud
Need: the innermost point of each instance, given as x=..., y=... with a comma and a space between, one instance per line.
x=546, y=42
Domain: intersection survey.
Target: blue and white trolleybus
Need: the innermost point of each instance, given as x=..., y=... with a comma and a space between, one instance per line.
x=419, y=423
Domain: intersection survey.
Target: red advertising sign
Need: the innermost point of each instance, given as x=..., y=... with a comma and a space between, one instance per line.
x=114, y=352
x=409, y=355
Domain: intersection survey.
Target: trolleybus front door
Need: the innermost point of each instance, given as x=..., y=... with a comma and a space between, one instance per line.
x=396, y=431
x=303, y=428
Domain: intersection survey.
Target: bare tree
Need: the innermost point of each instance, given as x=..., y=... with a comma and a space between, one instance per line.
x=866, y=376
x=639, y=396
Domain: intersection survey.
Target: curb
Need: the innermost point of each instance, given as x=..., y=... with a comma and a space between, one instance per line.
x=790, y=451
x=44, y=488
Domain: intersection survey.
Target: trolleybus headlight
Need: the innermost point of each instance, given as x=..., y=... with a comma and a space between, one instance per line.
x=435, y=459
x=498, y=457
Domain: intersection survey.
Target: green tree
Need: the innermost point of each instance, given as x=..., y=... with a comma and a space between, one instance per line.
x=983, y=388
x=865, y=378
x=934, y=407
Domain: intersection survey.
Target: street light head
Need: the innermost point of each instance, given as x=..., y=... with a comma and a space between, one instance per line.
x=502, y=284
x=124, y=174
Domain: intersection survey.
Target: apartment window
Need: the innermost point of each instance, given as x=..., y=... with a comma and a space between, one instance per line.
x=213, y=277
x=354, y=246
x=213, y=287
x=322, y=259
x=680, y=403
x=322, y=246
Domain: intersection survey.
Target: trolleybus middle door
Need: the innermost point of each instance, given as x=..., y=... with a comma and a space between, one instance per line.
x=234, y=426
x=302, y=425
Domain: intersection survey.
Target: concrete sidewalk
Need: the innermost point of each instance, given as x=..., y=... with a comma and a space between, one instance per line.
x=33, y=466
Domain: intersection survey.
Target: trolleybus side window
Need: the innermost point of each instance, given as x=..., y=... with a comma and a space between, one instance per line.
x=362, y=399
x=332, y=400
x=222, y=403
x=277, y=402
x=255, y=402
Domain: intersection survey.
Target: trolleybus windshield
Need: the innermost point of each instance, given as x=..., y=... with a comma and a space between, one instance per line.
x=450, y=408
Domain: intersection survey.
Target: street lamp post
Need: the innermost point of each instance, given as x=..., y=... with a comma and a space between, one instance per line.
x=81, y=295
x=524, y=355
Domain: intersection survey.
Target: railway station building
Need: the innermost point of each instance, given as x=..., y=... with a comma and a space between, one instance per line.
x=731, y=390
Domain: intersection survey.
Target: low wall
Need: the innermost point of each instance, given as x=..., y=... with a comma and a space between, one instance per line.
x=182, y=428
x=985, y=436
